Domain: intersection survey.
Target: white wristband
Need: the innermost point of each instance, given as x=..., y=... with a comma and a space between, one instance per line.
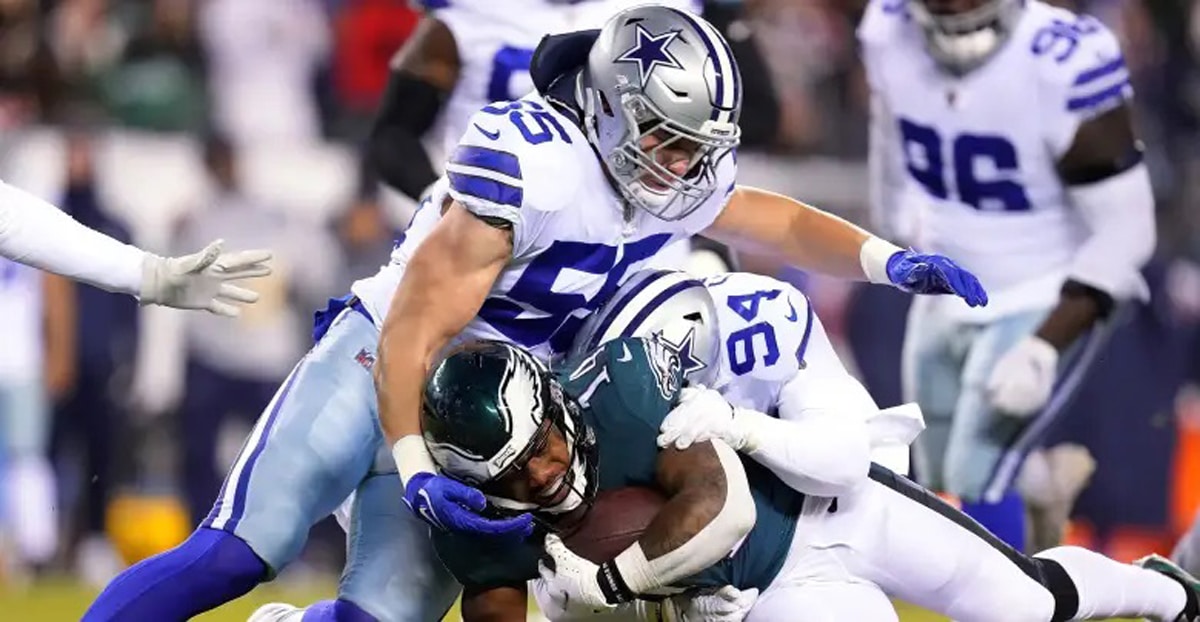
x=412, y=457
x=636, y=571
x=874, y=256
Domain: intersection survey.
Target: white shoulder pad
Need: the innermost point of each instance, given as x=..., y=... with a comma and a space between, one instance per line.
x=764, y=324
x=518, y=161
x=881, y=20
x=1081, y=69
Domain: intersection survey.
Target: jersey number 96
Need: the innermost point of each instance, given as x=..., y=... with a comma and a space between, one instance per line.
x=969, y=154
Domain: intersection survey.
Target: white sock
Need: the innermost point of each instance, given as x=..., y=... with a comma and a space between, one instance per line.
x=1110, y=589
x=31, y=507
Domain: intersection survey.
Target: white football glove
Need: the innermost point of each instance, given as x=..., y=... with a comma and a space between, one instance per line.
x=703, y=414
x=1023, y=378
x=200, y=280
x=727, y=604
x=572, y=584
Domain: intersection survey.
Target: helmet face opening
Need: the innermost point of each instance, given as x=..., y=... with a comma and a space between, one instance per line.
x=661, y=101
x=963, y=34
x=495, y=418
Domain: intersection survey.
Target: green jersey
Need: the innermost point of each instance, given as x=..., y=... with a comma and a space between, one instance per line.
x=626, y=388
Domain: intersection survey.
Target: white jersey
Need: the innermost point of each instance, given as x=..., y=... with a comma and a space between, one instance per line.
x=496, y=40
x=21, y=326
x=529, y=164
x=765, y=326
x=979, y=152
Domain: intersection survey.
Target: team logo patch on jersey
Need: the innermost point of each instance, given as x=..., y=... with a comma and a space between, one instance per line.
x=685, y=349
x=664, y=362
x=651, y=51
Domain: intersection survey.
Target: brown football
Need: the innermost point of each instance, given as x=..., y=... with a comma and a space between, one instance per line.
x=616, y=520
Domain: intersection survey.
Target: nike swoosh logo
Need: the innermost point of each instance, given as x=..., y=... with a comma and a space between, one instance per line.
x=625, y=355
x=428, y=514
x=490, y=135
x=793, y=317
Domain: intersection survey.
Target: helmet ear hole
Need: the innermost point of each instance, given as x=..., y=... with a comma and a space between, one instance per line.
x=604, y=105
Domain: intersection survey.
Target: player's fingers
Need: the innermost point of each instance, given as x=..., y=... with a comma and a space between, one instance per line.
x=248, y=272
x=233, y=293
x=204, y=258
x=685, y=438
x=545, y=572
x=464, y=495
x=242, y=260
x=223, y=308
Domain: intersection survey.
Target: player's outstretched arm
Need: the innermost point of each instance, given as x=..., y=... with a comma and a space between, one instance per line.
x=811, y=239
x=506, y=603
x=709, y=509
x=38, y=234
x=423, y=74
x=444, y=285
x=1109, y=186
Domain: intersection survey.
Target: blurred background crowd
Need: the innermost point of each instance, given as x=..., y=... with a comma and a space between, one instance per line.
x=172, y=122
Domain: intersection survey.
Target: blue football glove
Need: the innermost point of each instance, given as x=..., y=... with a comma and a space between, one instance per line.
x=920, y=273
x=450, y=505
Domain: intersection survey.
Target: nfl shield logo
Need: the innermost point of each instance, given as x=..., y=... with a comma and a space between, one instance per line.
x=366, y=359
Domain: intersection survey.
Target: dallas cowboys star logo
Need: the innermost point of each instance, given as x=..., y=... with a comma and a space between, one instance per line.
x=650, y=51
x=685, y=350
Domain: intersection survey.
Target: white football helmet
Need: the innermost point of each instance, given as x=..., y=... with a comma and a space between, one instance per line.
x=672, y=306
x=664, y=73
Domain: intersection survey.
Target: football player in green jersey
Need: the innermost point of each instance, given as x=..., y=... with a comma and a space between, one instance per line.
x=545, y=443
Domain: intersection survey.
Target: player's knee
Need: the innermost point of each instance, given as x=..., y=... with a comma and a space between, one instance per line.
x=222, y=554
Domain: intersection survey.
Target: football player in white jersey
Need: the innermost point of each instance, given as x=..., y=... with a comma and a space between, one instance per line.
x=37, y=328
x=38, y=234
x=1002, y=135
x=464, y=55
x=548, y=203
x=762, y=376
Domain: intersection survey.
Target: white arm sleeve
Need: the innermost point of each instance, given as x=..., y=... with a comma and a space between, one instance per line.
x=718, y=539
x=1120, y=213
x=35, y=233
x=817, y=449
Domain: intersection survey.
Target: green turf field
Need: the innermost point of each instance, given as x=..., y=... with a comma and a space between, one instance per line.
x=62, y=601
x=57, y=601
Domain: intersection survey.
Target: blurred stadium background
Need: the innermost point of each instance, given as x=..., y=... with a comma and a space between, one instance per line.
x=108, y=108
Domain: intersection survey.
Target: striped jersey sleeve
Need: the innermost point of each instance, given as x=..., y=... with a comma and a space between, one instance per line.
x=1088, y=78
x=487, y=180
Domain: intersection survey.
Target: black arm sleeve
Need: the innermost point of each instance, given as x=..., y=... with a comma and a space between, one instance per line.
x=409, y=108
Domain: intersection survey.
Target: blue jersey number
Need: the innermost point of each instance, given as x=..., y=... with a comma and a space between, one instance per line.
x=1060, y=39
x=507, y=61
x=520, y=113
x=969, y=153
x=533, y=313
x=740, y=345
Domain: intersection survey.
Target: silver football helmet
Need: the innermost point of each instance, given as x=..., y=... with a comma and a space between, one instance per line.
x=661, y=79
x=672, y=306
x=963, y=34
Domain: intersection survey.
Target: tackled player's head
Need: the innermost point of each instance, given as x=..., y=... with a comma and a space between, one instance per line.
x=494, y=417
x=661, y=98
x=963, y=34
